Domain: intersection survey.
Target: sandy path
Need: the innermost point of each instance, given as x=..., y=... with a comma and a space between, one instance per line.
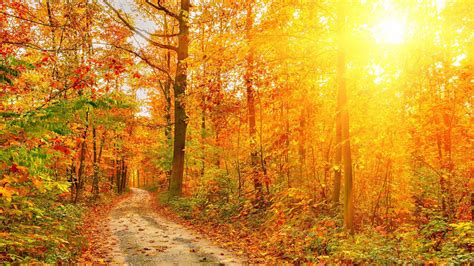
x=145, y=238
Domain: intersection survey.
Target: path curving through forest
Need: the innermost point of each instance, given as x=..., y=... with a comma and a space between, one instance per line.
x=145, y=238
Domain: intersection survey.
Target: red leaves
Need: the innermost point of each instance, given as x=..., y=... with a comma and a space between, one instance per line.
x=82, y=78
x=59, y=146
x=14, y=168
x=62, y=149
x=137, y=75
x=82, y=70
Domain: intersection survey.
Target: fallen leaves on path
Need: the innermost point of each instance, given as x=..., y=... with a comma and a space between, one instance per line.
x=238, y=239
x=95, y=229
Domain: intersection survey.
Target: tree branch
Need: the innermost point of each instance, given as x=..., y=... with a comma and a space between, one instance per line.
x=33, y=21
x=139, y=32
x=160, y=7
x=163, y=35
x=142, y=57
x=36, y=47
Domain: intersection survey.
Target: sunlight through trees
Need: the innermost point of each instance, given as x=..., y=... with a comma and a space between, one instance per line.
x=319, y=131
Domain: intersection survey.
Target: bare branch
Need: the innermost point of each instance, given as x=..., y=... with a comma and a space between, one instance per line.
x=142, y=57
x=160, y=7
x=33, y=21
x=137, y=31
x=163, y=35
x=36, y=47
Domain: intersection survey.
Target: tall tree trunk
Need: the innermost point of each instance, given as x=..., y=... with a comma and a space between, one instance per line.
x=167, y=87
x=251, y=102
x=472, y=206
x=123, y=184
x=118, y=175
x=167, y=94
x=239, y=174
x=203, y=106
x=203, y=137
x=168, y=126
x=338, y=156
x=73, y=180
x=176, y=182
x=262, y=157
x=346, y=145
x=112, y=176
x=138, y=178
x=302, y=140
x=95, y=164
x=447, y=164
x=287, y=144
x=80, y=175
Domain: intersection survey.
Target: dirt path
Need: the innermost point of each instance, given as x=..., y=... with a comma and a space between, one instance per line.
x=145, y=238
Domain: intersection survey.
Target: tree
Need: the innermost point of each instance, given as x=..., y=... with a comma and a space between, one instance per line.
x=180, y=118
x=249, y=84
x=342, y=126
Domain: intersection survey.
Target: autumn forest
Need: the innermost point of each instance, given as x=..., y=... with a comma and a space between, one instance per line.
x=179, y=132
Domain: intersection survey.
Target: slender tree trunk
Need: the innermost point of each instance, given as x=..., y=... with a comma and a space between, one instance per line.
x=168, y=126
x=119, y=176
x=176, y=182
x=448, y=165
x=287, y=144
x=338, y=156
x=123, y=184
x=95, y=165
x=80, y=175
x=167, y=94
x=239, y=174
x=73, y=180
x=346, y=145
x=251, y=102
x=112, y=176
x=302, y=148
x=262, y=156
x=167, y=129
x=203, y=106
x=203, y=137
x=472, y=206
x=138, y=178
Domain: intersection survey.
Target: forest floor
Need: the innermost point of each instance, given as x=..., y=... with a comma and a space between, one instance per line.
x=134, y=234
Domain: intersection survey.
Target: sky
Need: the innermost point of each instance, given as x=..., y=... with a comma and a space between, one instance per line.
x=136, y=40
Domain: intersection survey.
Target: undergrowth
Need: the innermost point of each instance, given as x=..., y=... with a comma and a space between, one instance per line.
x=296, y=229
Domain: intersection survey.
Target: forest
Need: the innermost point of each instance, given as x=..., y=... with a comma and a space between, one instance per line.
x=180, y=132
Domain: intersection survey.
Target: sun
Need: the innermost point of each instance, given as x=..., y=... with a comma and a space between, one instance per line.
x=390, y=31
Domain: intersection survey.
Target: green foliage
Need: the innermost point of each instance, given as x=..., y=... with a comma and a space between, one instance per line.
x=437, y=242
x=34, y=225
x=183, y=206
x=7, y=69
x=164, y=157
x=212, y=200
x=39, y=229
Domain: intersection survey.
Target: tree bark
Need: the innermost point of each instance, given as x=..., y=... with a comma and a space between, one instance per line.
x=80, y=175
x=123, y=184
x=176, y=182
x=344, y=121
x=251, y=102
x=95, y=165
x=338, y=156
